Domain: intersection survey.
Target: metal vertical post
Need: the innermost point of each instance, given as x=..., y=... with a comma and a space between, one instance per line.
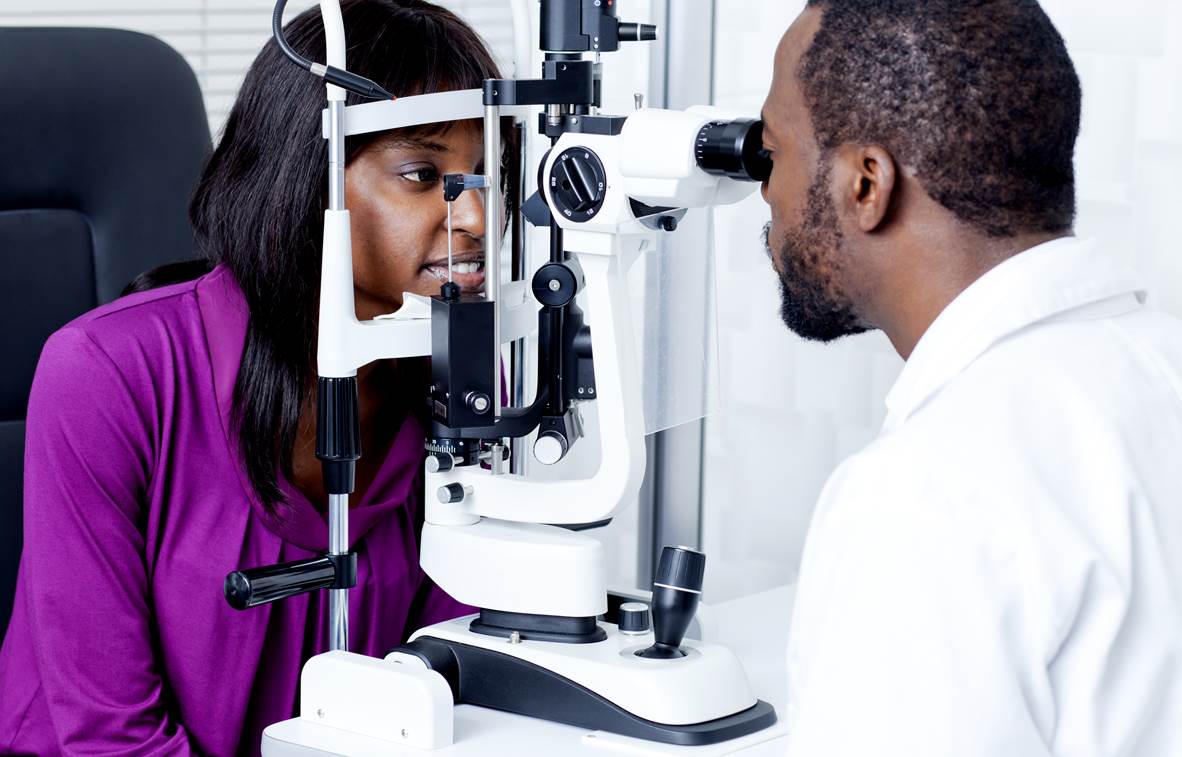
x=492, y=237
x=519, y=360
x=338, y=599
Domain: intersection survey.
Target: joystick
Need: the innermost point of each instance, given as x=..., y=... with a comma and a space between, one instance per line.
x=677, y=588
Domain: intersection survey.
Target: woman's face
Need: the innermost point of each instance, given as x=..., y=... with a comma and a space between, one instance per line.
x=394, y=193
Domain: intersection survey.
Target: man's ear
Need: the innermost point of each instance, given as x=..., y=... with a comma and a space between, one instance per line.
x=868, y=176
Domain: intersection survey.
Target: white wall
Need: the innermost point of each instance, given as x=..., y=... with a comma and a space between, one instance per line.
x=791, y=411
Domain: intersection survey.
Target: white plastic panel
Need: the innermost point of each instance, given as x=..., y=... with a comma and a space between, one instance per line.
x=673, y=305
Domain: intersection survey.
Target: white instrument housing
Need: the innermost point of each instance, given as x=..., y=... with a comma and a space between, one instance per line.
x=397, y=700
x=709, y=683
x=515, y=567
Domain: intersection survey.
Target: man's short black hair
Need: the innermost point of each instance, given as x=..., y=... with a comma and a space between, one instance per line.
x=979, y=97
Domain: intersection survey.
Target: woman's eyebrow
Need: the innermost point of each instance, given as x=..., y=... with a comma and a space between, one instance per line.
x=413, y=143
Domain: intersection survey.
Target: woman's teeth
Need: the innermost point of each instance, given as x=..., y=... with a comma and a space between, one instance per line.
x=440, y=271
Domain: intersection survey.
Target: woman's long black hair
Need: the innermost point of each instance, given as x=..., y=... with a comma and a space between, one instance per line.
x=259, y=204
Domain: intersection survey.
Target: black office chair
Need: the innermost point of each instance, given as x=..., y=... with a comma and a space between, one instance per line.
x=102, y=136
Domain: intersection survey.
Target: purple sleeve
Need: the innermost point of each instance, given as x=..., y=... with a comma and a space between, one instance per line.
x=87, y=459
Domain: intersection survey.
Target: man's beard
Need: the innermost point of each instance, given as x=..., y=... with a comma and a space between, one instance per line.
x=812, y=303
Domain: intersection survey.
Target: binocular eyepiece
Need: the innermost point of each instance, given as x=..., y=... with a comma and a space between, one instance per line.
x=734, y=149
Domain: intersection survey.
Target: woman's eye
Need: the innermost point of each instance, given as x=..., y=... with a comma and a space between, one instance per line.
x=422, y=175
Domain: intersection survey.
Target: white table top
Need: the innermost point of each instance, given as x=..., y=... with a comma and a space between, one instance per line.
x=754, y=627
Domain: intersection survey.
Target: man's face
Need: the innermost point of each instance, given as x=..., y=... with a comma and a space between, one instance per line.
x=804, y=238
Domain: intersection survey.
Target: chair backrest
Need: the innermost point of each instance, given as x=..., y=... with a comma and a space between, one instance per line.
x=103, y=134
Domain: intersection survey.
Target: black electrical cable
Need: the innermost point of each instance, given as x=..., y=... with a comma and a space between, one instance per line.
x=277, y=30
x=352, y=82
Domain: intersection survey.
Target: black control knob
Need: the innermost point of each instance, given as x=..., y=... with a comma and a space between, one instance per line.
x=452, y=493
x=633, y=618
x=550, y=447
x=439, y=462
x=578, y=184
x=478, y=402
x=677, y=589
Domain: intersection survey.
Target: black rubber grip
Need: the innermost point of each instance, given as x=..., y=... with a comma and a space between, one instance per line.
x=338, y=430
x=257, y=586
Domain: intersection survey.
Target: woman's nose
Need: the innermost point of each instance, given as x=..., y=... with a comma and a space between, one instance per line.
x=467, y=213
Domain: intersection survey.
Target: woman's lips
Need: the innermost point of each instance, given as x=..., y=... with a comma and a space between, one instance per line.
x=468, y=274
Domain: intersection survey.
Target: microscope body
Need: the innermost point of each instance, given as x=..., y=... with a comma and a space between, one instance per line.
x=500, y=546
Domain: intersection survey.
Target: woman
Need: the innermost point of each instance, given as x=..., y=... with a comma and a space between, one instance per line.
x=171, y=433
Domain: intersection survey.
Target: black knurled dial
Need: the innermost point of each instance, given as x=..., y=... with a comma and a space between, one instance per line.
x=578, y=184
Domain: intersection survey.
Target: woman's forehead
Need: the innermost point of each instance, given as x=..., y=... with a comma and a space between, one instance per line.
x=442, y=137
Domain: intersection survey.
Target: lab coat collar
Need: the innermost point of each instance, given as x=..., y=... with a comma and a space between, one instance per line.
x=1032, y=286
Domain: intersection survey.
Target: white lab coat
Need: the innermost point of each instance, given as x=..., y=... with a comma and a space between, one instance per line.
x=1000, y=572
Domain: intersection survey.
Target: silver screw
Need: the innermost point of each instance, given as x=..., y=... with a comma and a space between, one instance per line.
x=555, y=285
x=638, y=100
x=590, y=391
x=580, y=390
x=515, y=637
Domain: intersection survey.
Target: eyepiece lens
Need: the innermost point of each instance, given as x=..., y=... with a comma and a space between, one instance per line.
x=734, y=149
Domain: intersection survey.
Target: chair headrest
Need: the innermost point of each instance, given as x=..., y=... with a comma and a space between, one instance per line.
x=104, y=135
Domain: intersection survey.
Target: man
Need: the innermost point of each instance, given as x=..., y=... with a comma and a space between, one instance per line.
x=1000, y=572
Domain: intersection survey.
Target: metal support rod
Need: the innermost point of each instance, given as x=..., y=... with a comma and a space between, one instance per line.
x=336, y=155
x=338, y=599
x=556, y=405
x=338, y=504
x=518, y=351
x=493, y=218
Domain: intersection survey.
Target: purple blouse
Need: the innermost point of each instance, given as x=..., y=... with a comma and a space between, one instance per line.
x=137, y=505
